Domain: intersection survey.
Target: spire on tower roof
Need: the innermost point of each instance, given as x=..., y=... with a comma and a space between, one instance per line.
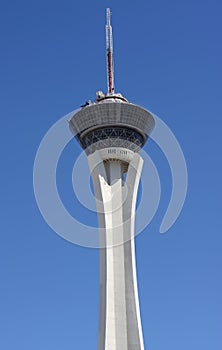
x=109, y=53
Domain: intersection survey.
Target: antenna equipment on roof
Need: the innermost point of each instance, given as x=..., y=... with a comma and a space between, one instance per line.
x=109, y=53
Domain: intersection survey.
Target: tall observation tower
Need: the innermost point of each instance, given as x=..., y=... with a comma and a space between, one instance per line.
x=112, y=131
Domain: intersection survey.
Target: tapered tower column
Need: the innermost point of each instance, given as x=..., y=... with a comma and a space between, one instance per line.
x=119, y=316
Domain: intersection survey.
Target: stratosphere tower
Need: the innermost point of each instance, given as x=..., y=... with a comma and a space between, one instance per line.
x=112, y=131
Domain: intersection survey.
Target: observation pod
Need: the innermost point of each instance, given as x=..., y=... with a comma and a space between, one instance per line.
x=112, y=122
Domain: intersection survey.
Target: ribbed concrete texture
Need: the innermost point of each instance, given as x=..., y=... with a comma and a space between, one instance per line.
x=116, y=180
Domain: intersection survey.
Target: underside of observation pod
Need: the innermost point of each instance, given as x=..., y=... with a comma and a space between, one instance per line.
x=111, y=121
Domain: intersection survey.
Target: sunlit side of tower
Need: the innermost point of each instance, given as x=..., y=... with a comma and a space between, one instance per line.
x=112, y=131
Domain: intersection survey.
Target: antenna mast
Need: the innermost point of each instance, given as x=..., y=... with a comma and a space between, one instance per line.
x=109, y=53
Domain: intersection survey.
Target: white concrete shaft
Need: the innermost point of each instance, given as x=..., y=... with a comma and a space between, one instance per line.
x=119, y=315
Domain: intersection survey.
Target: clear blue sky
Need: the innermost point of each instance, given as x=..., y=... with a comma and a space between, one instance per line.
x=168, y=58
